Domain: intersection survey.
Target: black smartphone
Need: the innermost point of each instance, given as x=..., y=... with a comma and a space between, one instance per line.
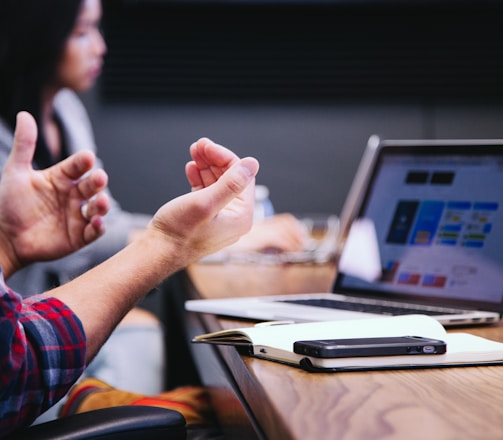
x=388, y=346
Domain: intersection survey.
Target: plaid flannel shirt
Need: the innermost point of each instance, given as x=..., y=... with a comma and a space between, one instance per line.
x=42, y=354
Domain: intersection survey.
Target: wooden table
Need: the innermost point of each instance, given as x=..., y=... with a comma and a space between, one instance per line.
x=262, y=399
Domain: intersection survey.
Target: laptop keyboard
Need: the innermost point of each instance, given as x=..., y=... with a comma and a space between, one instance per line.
x=370, y=308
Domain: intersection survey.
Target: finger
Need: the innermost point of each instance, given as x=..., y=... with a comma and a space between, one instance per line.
x=98, y=206
x=193, y=176
x=211, y=159
x=205, y=152
x=94, y=229
x=200, y=178
x=75, y=166
x=92, y=184
x=25, y=139
x=233, y=183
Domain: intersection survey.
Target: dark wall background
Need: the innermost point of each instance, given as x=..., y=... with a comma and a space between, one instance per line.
x=299, y=85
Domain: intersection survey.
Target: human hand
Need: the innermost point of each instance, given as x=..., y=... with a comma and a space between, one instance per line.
x=40, y=211
x=217, y=211
x=279, y=233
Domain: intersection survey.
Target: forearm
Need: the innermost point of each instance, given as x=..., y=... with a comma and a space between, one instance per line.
x=102, y=296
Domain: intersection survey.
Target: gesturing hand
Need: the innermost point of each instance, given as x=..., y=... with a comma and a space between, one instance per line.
x=41, y=215
x=217, y=211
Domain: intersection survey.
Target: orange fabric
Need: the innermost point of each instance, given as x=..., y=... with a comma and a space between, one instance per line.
x=89, y=394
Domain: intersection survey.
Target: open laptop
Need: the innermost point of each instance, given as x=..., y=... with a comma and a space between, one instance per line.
x=433, y=216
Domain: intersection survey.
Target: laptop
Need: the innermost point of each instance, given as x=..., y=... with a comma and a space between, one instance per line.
x=421, y=232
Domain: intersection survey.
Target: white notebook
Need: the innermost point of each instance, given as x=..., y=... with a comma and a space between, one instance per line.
x=274, y=342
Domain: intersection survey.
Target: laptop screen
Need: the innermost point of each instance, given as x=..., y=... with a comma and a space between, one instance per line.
x=437, y=210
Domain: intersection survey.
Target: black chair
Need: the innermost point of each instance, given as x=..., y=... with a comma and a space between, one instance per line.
x=116, y=423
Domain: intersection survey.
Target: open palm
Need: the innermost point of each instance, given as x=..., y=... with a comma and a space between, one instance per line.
x=40, y=211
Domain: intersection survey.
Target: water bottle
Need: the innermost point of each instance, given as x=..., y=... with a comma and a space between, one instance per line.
x=263, y=205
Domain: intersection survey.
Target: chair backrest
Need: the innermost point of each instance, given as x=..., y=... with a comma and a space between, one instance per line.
x=116, y=423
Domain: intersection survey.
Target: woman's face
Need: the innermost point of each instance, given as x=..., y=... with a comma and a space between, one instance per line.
x=82, y=58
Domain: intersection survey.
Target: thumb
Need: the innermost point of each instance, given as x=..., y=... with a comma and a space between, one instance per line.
x=25, y=139
x=233, y=182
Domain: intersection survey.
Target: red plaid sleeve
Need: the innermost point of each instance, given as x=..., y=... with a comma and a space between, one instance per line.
x=42, y=353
